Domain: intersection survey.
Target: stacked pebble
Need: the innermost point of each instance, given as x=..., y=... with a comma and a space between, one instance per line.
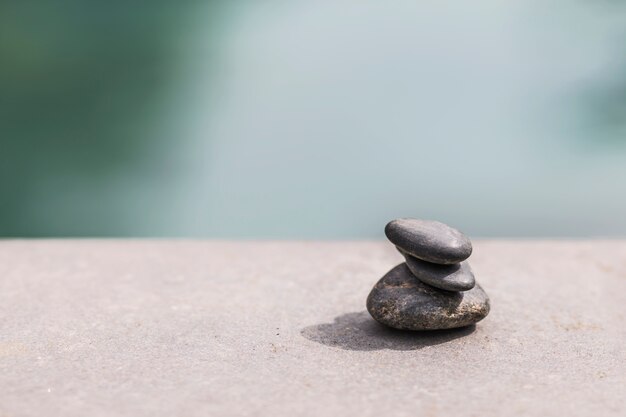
x=435, y=288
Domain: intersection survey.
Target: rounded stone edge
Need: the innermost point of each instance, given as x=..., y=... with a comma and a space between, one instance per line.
x=433, y=258
x=380, y=320
x=435, y=283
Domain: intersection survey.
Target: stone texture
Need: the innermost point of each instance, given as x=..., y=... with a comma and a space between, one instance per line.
x=401, y=301
x=457, y=277
x=115, y=328
x=429, y=240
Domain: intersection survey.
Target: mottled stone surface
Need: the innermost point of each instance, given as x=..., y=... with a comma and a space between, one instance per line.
x=168, y=328
x=457, y=277
x=429, y=240
x=401, y=301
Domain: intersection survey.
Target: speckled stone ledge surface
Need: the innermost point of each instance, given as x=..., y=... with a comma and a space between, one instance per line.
x=197, y=328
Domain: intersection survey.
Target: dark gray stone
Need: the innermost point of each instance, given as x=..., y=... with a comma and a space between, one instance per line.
x=401, y=301
x=429, y=240
x=457, y=277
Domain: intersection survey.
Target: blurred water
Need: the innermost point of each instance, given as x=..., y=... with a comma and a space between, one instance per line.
x=312, y=119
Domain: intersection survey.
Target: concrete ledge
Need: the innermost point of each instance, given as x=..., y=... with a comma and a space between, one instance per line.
x=197, y=328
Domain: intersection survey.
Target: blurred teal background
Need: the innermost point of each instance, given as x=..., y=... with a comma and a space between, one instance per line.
x=321, y=119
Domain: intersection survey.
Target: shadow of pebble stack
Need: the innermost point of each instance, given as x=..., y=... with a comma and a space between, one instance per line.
x=435, y=288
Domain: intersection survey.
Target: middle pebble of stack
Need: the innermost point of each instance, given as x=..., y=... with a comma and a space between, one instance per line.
x=435, y=254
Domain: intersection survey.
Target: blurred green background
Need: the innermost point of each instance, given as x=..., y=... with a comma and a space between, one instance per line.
x=324, y=119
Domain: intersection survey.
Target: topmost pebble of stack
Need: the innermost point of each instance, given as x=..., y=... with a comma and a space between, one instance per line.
x=429, y=240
